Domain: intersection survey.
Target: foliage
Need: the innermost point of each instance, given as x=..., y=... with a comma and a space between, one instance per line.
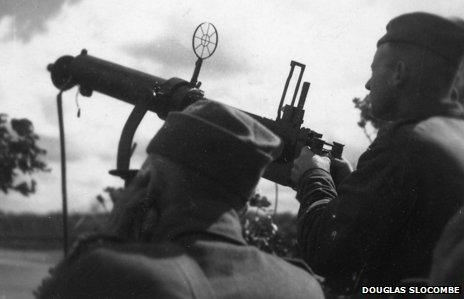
x=19, y=155
x=102, y=201
x=366, y=118
x=264, y=230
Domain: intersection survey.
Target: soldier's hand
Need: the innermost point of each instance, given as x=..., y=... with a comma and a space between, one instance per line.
x=340, y=169
x=130, y=206
x=307, y=161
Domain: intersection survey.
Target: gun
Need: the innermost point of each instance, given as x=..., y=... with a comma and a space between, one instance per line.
x=150, y=93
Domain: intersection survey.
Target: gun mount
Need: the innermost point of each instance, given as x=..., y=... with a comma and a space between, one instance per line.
x=150, y=93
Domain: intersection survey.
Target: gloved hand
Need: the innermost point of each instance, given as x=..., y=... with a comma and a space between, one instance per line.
x=340, y=169
x=307, y=161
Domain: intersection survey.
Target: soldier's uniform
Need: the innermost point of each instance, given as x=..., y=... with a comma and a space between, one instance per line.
x=383, y=221
x=197, y=260
x=198, y=251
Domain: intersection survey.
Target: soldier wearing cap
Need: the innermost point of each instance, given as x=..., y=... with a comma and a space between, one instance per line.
x=176, y=230
x=380, y=225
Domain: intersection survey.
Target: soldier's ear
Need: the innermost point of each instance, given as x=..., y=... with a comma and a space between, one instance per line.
x=458, y=84
x=454, y=96
x=400, y=74
x=456, y=93
x=156, y=183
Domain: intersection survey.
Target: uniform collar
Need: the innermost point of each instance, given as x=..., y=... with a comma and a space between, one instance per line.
x=446, y=109
x=209, y=217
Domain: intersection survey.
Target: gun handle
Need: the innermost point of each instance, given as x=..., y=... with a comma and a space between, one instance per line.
x=337, y=150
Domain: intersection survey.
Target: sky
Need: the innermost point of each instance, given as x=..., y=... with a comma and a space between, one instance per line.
x=257, y=40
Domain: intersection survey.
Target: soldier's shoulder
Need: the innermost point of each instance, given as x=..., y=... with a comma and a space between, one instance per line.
x=301, y=278
x=406, y=133
x=286, y=265
x=433, y=133
x=302, y=265
x=424, y=127
x=119, y=271
x=148, y=257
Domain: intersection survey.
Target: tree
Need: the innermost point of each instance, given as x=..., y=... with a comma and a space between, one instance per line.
x=20, y=156
x=367, y=120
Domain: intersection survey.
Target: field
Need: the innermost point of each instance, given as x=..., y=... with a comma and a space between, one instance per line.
x=40, y=232
x=21, y=271
x=30, y=245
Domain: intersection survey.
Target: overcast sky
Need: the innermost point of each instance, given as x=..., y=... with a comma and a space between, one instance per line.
x=257, y=40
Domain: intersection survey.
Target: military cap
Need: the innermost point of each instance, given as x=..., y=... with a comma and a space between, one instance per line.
x=219, y=142
x=437, y=34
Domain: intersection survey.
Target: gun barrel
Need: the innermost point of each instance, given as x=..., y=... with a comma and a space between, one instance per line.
x=94, y=74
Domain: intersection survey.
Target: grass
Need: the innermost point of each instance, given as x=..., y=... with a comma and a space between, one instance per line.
x=31, y=231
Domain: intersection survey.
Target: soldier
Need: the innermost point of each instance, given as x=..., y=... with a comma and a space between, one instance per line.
x=182, y=235
x=448, y=257
x=381, y=223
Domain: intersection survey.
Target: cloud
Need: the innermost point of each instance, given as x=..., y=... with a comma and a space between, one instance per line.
x=171, y=53
x=166, y=50
x=52, y=145
x=77, y=151
x=30, y=17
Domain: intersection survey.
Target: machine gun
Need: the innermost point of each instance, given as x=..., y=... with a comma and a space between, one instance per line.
x=151, y=93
